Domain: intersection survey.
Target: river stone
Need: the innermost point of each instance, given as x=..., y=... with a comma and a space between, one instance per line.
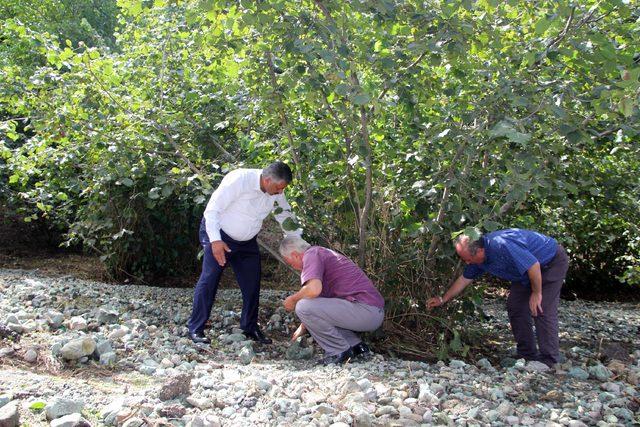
x=18, y=328
x=617, y=366
x=313, y=397
x=484, y=364
x=109, y=412
x=31, y=355
x=77, y=348
x=535, y=366
x=107, y=316
x=386, y=410
x=505, y=408
x=174, y=387
x=246, y=355
x=118, y=333
x=208, y=420
x=108, y=358
x=507, y=362
x=512, y=420
x=362, y=418
x=71, y=420
x=60, y=407
x=77, y=323
x=600, y=372
x=54, y=319
x=134, y=422
x=4, y=399
x=457, y=364
x=9, y=415
x=578, y=373
x=199, y=402
x=103, y=347
x=297, y=352
x=231, y=338
x=172, y=411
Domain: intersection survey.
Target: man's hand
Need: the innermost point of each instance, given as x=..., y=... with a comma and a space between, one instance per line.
x=434, y=302
x=218, y=248
x=535, y=303
x=290, y=303
x=299, y=332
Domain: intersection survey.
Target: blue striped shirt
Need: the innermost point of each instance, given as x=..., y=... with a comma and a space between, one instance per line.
x=510, y=253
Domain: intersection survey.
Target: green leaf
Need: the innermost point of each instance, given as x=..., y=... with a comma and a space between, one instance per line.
x=289, y=225
x=491, y=225
x=625, y=106
x=37, y=406
x=13, y=179
x=473, y=233
x=154, y=193
x=541, y=26
x=505, y=129
x=361, y=99
x=128, y=182
x=342, y=89
x=456, y=342
x=167, y=190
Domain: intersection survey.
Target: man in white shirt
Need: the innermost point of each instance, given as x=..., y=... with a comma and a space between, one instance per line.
x=228, y=231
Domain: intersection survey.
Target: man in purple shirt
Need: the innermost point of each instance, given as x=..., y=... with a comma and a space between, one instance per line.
x=536, y=265
x=336, y=300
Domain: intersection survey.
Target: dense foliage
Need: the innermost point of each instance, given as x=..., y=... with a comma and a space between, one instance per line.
x=405, y=121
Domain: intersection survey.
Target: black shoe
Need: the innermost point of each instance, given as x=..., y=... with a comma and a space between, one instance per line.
x=337, y=359
x=257, y=336
x=199, y=338
x=361, y=350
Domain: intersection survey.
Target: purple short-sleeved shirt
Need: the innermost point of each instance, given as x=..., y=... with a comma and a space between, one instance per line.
x=340, y=277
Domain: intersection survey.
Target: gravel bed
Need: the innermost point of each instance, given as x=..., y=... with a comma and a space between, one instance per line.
x=76, y=352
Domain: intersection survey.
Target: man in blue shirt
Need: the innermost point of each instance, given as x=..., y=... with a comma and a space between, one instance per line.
x=536, y=265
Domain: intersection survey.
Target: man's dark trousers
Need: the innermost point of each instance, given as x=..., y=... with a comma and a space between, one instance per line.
x=553, y=275
x=245, y=261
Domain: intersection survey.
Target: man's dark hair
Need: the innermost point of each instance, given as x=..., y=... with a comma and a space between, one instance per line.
x=278, y=171
x=472, y=245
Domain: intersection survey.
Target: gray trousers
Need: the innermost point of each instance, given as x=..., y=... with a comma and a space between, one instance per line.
x=548, y=349
x=333, y=322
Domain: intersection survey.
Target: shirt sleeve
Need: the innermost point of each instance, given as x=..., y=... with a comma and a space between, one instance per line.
x=285, y=217
x=228, y=191
x=472, y=272
x=521, y=257
x=312, y=266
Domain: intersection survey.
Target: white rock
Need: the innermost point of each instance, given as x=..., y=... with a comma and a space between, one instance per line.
x=31, y=355
x=77, y=348
x=60, y=407
x=9, y=415
x=535, y=366
x=71, y=420
x=78, y=323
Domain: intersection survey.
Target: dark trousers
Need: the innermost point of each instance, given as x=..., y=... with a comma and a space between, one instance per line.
x=245, y=261
x=548, y=349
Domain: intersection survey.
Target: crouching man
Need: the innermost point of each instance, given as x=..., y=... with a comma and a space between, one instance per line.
x=336, y=300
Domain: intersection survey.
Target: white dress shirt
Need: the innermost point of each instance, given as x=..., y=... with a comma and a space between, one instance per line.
x=238, y=206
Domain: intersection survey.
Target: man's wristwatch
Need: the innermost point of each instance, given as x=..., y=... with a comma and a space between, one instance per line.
x=441, y=299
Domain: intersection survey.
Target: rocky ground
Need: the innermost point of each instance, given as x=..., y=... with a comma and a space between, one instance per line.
x=75, y=352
